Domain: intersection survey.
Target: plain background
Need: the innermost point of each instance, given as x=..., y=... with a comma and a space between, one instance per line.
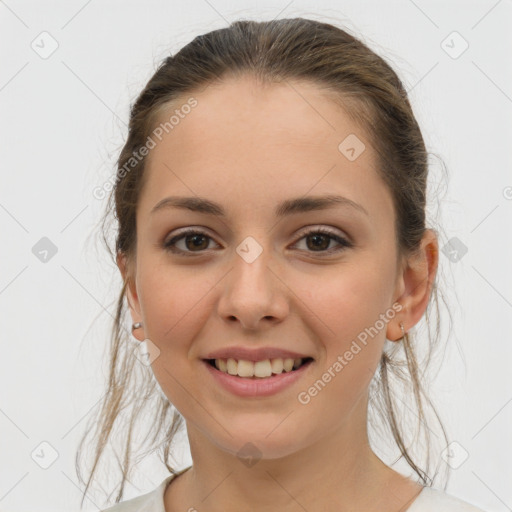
x=63, y=120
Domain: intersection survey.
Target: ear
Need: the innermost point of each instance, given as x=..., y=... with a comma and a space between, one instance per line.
x=131, y=293
x=414, y=285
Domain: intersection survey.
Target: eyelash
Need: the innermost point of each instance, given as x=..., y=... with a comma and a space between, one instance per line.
x=344, y=243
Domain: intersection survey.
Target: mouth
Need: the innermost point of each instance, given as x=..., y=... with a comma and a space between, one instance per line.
x=256, y=370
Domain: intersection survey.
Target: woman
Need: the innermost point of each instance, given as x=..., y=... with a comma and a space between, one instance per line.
x=274, y=251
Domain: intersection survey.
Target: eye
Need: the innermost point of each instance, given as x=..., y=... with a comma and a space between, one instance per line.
x=193, y=241
x=197, y=241
x=321, y=238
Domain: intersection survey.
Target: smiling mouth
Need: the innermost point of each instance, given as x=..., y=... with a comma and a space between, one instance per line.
x=259, y=369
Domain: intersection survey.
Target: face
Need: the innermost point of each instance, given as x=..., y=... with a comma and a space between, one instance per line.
x=262, y=276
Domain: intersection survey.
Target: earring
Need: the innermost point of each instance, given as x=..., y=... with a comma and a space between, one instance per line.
x=136, y=325
x=403, y=332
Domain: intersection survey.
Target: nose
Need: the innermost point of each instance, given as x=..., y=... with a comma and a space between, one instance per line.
x=254, y=293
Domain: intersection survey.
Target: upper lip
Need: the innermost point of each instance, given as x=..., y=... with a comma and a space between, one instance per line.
x=254, y=354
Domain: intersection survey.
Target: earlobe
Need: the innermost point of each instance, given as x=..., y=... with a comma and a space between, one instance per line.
x=396, y=330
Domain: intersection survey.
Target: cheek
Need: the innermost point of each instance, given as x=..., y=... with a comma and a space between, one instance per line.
x=173, y=303
x=349, y=298
x=175, y=307
x=350, y=303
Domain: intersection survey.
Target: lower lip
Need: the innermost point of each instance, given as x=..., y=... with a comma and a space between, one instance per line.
x=257, y=387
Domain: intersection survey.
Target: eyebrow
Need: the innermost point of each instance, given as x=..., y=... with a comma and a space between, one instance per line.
x=287, y=207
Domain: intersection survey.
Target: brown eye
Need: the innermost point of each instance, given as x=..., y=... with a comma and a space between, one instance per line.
x=191, y=241
x=319, y=240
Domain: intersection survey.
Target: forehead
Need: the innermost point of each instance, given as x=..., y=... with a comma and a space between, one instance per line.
x=288, y=112
x=260, y=139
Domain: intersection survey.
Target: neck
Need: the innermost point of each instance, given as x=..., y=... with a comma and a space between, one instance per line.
x=340, y=471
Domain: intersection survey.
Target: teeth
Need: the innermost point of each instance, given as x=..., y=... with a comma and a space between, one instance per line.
x=232, y=367
x=260, y=369
x=288, y=364
x=277, y=366
x=245, y=368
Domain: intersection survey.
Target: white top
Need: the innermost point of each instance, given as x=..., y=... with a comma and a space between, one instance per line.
x=428, y=500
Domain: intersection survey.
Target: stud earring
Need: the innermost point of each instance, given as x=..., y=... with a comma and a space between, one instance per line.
x=403, y=332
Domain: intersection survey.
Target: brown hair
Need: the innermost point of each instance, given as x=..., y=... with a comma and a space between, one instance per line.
x=372, y=94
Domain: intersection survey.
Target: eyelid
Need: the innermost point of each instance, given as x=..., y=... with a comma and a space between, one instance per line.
x=342, y=240
x=169, y=244
x=321, y=228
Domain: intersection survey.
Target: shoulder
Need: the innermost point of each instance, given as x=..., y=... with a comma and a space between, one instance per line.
x=430, y=500
x=150, y=502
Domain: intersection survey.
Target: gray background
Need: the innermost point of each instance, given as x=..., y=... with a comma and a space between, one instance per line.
x=63, y=120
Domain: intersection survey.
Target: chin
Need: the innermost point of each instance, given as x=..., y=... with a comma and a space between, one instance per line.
x=257, y=444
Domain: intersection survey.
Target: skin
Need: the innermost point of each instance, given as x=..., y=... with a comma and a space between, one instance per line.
x=249, y=147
